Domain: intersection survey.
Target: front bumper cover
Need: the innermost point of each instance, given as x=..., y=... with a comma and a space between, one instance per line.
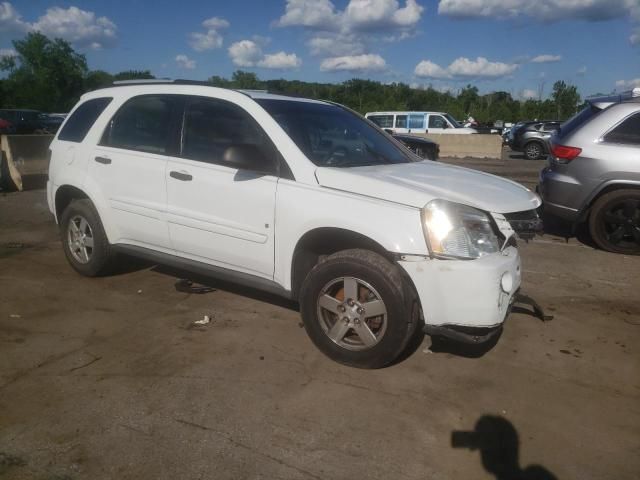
x=466, y=293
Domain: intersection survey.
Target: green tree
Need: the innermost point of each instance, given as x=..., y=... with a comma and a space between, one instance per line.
x=45, y=75
x=97, y=79
x=247, y=80
x=565, y=98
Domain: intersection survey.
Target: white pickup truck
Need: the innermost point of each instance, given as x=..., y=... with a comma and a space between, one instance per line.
x=301, y=198
x=419, y=122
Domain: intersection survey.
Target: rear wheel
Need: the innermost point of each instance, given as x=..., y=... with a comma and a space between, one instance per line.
x=533, y=151
x=614, y=222
x=356, y=309
x=84, y=241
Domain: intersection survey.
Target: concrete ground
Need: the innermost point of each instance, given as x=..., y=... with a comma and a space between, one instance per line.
x=110, y=378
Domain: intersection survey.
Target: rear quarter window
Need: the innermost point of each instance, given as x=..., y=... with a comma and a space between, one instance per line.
x=627, y=132
x=81, y=121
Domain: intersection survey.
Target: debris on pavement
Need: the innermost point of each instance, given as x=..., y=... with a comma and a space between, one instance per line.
x=204, y=321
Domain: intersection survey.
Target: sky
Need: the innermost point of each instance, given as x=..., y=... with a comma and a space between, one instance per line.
x=519, y=46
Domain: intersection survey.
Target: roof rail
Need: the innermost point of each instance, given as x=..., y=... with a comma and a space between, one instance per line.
x=160, y=81
x=615, y=97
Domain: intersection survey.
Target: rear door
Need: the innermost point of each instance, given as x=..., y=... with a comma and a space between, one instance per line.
x=417, y=123
x=129, y=167
x=217, y=213
x=402, y=123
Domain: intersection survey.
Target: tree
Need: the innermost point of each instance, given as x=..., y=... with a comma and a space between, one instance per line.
x=97, y=79
x=45, y=75
x=247, y=80
x=566, y=99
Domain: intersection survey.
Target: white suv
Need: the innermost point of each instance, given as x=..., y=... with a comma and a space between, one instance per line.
x=301, y=198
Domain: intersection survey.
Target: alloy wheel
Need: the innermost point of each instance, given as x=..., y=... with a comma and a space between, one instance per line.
x=352, y=313
x=80, y=239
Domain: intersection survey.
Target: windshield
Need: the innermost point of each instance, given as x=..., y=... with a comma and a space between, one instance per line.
x=331, y=136
x=453, y=121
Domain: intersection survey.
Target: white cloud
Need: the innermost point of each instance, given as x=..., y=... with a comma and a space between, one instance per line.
x=309, y=13
x=335, y=45
x=212, y=38
x=247, y=53
x=383, y=14
x=280, y=60
x=10, y=20
x=337, y=33
x=546, y=10
x=627, y=84
x=354, y=63
x=546, y=58
x=528, y=94
x=358, y=15
x=428, y=69
x=463, y=67
x=185, y=62
x=79, y=27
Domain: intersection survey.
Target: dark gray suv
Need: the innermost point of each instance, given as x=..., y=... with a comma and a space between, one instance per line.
x=593, y=172
x=531, y=138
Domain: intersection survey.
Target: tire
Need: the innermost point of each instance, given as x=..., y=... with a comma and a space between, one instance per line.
x=533, y=151
x=83, y=239
x=614, y=222
x=327, y=310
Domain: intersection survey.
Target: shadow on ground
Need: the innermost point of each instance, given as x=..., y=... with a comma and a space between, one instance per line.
x=497, y=440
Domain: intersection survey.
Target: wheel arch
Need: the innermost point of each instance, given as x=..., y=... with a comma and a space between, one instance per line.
x=322, y=241
x=603, y=189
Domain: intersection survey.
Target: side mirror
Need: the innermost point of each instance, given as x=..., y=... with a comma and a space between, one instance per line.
x=446, y=125
x=248, y=157
x=389, y=131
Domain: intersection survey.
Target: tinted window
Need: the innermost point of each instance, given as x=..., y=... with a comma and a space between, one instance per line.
x=437, y=121
x=83, y=119
x=331, y=136
x=401, y=121
x=143, y=124
x=212, y=126
x=383, y=121
x=416, y=121
x=628, y=132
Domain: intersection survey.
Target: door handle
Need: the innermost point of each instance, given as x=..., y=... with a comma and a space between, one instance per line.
x=103, y=160
x=185, y=177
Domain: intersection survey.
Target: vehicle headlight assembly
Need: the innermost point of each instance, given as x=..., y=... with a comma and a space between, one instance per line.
x=453, y=230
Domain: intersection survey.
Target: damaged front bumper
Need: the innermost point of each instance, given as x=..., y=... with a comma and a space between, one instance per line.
x=468, y=299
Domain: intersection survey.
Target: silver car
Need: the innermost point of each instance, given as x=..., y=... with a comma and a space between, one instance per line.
x=593, y=172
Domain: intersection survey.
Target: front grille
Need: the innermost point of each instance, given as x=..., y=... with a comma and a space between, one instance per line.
x=526, y=224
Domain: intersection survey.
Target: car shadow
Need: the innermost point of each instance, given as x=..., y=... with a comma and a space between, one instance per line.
x=561, y=228
x=497, y=440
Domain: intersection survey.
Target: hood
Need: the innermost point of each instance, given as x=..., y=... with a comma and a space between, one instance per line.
x=416, y=184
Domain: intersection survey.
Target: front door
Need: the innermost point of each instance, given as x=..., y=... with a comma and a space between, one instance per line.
x=437, y=124
x=218, y=213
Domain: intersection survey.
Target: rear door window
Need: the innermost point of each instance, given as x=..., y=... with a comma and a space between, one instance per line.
x=627, y=132
x=401, y=121
x=81, y=121
x=146, y=124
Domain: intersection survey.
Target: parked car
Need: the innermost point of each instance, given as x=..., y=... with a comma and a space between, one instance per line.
x=300, y=198
x=23, y=120
x=418, y=122
x=50, y=122
x=423, y=147
x=593, y=174
x=532, y=138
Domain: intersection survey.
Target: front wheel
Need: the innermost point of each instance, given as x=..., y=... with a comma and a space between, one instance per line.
x=356, y=309
x=614, y=223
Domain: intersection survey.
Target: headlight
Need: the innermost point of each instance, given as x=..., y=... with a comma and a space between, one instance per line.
x=455, y=230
